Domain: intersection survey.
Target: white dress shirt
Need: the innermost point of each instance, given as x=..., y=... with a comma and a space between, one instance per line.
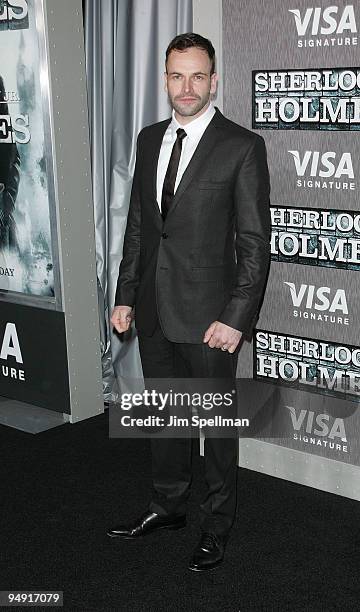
x=194, y=131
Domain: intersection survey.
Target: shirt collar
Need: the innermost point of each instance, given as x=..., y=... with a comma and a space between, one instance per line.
x=196, y=127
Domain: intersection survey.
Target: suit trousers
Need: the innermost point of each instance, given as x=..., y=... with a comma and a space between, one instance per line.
x=171, y=458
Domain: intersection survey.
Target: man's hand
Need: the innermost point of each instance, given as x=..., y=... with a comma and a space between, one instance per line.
x=121, y=318
x=221, y=336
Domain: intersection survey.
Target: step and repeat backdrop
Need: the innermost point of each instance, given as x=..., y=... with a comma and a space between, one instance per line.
x=292, y=74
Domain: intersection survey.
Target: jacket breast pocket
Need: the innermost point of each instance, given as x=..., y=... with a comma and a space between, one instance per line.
x=210, y=185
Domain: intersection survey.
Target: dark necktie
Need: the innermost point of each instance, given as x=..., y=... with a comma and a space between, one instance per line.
x=171, y=172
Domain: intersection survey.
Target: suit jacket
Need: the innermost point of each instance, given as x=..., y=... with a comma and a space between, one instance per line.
x=209, y=260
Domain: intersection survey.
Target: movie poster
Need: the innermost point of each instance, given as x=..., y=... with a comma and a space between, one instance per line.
x=299, y=86
x=26, y=263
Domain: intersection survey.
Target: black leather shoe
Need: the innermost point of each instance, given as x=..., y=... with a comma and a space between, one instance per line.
x=147, y=523
x=208, y=554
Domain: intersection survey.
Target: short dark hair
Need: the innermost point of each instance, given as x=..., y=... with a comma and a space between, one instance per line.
x=190, y=39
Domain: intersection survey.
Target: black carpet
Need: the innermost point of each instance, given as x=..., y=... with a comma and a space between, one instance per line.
x=292, y=548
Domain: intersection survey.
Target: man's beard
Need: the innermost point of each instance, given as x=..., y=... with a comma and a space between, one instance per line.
x=189, y=109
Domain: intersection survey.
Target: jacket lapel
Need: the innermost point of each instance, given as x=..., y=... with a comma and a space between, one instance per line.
x=156, y=146
x=202, y=151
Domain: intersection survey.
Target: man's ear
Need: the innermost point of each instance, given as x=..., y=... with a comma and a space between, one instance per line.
x=213, y=82
x=165, y=81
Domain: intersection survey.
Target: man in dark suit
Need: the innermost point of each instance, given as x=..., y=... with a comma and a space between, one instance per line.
x=195, y=261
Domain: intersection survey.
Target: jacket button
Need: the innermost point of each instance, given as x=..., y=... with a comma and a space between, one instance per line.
x=164, y=235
